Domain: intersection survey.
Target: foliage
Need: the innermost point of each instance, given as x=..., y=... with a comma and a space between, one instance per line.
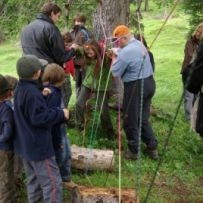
x=194, y=9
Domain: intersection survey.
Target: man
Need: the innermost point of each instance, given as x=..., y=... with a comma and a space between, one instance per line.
x=133, y=66
x=43, y=39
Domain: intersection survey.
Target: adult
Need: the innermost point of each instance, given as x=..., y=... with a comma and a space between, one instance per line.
x=190, y=53
x=43, y=39
x=133, y=66
x=195, y=85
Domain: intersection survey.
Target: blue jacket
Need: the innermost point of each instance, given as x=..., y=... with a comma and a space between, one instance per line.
x=54, y=100
x=6, y=126
x=34, y=121
x=132, y=62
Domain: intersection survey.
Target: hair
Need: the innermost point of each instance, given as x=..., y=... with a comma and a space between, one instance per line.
x=12, y=81
x=79, y=17
x=67, y=38
x=93, y=44
x=48, y=8
x=141, y=38
x=200, y=26
x=53, y=74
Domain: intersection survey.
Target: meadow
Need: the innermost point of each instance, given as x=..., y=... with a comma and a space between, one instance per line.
x=180, y=176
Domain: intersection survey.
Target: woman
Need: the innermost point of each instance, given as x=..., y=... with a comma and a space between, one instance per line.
x=190, y=53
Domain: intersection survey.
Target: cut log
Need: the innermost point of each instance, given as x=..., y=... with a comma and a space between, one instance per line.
x=92, y=159
x=83, y=194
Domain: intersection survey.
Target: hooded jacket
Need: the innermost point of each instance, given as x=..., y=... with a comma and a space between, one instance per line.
x=43, y=39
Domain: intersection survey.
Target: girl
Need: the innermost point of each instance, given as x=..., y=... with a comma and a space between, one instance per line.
x=53, y=78
x=93, y=64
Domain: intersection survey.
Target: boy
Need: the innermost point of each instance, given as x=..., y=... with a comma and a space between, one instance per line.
x=80, y=35
x=6, y=144
x=33, y=141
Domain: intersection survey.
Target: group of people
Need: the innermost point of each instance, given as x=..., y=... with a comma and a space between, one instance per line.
x=33, y=123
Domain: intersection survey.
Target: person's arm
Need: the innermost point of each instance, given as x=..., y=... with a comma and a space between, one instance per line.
x=42, y=116
x=58, y=49
x=119, y=66
x=7, y=126
x=196, y=77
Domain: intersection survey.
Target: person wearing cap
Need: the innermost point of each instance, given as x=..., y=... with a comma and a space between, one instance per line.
x=7, y=134
x=43, y=39
x=133, y=65
x=33, y=140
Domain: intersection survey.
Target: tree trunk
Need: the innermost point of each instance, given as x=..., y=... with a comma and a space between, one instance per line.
x=84, y=194
x=113, y=13
x=146, y=5
x=92, y=159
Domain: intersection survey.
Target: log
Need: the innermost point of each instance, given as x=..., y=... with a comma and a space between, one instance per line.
x=92, y=159
x=83, y=194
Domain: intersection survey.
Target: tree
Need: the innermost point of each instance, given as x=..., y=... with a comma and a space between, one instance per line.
x=194, y=8
x=110, y=13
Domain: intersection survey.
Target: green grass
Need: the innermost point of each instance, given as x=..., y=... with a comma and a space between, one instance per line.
x=180, y=176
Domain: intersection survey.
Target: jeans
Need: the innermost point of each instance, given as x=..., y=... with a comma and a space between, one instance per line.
x=63, y=156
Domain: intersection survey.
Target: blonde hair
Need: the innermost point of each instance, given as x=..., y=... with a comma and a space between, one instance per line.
x=200, y=26
x=53, y=74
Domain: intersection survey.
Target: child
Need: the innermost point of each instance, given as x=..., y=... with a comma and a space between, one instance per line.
x=18, y=164
x=53, y=78
x=93, y=54
x=6, y=143
x=33, y=141
x=69, y=69
x=80, y=35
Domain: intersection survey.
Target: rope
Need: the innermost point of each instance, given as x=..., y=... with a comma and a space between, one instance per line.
x=166, y=20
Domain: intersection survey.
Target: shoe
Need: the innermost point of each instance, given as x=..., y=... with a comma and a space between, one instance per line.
x=153, y=154
x=69, y=184
x=130, y=155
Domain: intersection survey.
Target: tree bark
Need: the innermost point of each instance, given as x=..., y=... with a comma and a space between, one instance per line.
x=113, y=13
x=146, y=5
x=84, y=194
x=92, y=159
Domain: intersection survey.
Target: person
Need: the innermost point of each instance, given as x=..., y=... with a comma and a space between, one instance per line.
x=69, y=69
x=33, y=140
x=195, y=83
x=53, y=78
x=151, y=56
x=80, y=35
x=43, y=39
x=191, y=47
x=133, y=65
x=18, y=164
x=94, y=68
x=7, y=133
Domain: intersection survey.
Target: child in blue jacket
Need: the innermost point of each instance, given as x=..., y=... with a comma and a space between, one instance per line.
x=6, y=143
x=53, y=79
x=33, y=141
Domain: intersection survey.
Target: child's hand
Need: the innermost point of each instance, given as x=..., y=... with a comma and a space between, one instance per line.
x=46, y=91
x=109, y=53
x=75, y=46
x=66, y=113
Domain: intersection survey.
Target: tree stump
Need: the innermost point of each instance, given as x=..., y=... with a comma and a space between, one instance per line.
x=84, y=194
x=92, y=159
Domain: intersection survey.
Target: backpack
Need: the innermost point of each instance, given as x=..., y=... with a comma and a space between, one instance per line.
x=85, y=33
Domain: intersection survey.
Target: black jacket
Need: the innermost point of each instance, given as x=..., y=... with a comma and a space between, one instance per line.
x=196, y=77
x=43, y=39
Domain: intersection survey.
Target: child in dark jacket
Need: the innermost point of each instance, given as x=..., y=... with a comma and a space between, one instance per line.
x=53, y=79
x=33, y=141
x=6, y=143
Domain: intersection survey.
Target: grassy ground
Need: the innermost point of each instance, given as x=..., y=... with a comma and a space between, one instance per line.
x=180, y=177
